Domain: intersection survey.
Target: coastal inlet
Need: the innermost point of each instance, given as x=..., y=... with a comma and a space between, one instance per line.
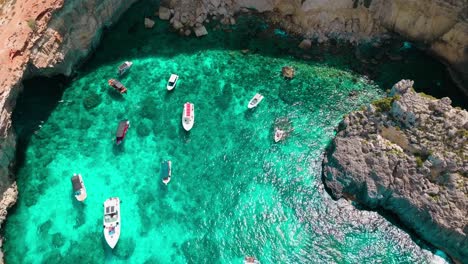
x=234, y=192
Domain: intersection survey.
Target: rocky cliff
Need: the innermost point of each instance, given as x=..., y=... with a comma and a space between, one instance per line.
x=407, y=153
x=42, y=39
x=441, y=26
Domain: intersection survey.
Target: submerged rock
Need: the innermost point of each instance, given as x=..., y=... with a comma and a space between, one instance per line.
x=200, y=31
x=288, y=72
x=149, y=23
x=91, y=101
x=164, y=13
x=397, y=155
x=305, y=44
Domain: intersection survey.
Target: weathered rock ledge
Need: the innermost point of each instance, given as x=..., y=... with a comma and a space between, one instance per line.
x=441, y=26
x=45, y=38
x=407, y=153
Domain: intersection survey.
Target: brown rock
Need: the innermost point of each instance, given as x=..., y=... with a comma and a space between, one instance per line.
x=305, y=44
x=288, y=72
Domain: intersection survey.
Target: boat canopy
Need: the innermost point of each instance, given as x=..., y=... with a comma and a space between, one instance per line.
x=118, y=84
x=110, y=209
x=188, y=109
x=123, y=66
x=121, y=129
x=173, y=78
x=76, y=183
x=165, y=169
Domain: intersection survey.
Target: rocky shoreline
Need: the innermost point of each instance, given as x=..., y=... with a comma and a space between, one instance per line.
x=38, y=39
x=407, y=153
x=442, y=26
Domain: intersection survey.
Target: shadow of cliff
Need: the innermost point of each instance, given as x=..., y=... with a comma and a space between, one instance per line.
x=385, y=62
x=40, y=96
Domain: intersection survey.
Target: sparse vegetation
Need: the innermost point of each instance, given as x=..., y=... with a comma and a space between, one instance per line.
x=435, y=197
x=462, y=133
x=32, y=24
x=385, y=104
x=419, y=162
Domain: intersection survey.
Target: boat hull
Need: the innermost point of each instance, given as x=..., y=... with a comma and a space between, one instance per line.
x=111, y=227
x=166, y=172
x=174, y=78
x=124, y=69
x=279, y=135
x=255, y=101
x=188, y=116
x=79, y=192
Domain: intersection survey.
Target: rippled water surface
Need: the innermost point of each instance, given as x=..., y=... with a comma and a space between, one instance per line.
x=234, y=192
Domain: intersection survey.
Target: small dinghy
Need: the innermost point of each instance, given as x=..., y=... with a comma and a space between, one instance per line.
x=112, y=221
x=78, y=187
x=166, y=171
x=121, y=131
x=124, y=67
x=279, y=134
x=255, y=101
x=251, y=260
x=118, y=86
x=171, y=84
x=188, y=116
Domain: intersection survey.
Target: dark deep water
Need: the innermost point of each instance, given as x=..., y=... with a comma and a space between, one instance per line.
x=234, y=191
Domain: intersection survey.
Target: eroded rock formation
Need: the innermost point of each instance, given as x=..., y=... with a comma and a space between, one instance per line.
x=42, y=38
x=440, y=25
x=407, y=153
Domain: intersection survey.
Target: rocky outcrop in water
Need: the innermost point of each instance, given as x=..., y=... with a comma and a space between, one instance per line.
x=440, y=25
x=407, y=153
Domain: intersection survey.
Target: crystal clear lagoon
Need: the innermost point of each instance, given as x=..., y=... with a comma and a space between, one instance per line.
x=234, y=191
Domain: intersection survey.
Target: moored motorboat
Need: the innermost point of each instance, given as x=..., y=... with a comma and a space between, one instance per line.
x=255, y=101
x=118, y=86
x=251, y=260
x=121, y=131
x=124, y=67
x=166, y=171
x=112, y=221
x=188, y=116
x=171, y=84
x=279, y=134
x=79, y=188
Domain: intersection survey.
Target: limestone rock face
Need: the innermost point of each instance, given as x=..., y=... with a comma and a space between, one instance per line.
x=441, y=25
x=57, y=36
x=407, y=154
x=73, y=33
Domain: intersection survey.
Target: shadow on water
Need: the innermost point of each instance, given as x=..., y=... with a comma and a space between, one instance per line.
x=39, y=98
x=385, y=62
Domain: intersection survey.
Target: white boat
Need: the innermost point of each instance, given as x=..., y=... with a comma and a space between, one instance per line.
x=188, y=116
x=166, y=171
x=112, y=221
x=171, y=84
x=251, y=260
x=78, y=187
x=124, y=67
x=255, y=101
x=279, y=134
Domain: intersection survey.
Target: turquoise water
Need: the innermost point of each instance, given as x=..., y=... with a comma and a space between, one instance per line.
x=234, y=192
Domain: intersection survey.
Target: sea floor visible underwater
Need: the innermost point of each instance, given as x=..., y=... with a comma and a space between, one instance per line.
x=234, y=192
